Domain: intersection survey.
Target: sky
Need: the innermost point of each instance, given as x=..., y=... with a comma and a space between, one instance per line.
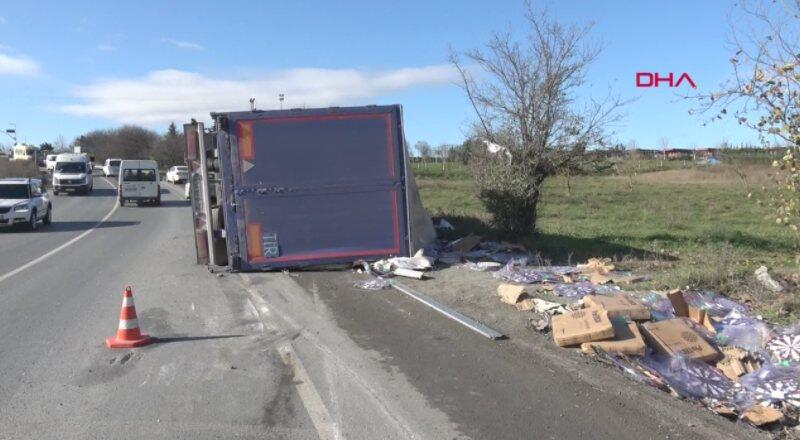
x=70, y=67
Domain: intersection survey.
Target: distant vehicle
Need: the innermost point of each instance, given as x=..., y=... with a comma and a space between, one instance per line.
x=178, y=174
x=25, y=152
x=111, y=168
x=72, y=172
x=139, y=181
x=50, y=162
x=23, y=202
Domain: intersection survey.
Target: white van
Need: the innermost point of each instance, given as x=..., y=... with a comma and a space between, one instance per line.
x=111, y=168
x=139, y=181
x=72, y=172
x=50, y=162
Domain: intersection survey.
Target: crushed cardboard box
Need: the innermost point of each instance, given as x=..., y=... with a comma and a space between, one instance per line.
x=599, y=265
x=525, y=305
x=675, y=336
x=510, y=293
x=762, y=415
x=619, y=305
x=736, y=362
x=580, y=326
x=627, y=340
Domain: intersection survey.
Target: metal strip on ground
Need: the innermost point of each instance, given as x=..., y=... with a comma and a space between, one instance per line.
x=465, y=320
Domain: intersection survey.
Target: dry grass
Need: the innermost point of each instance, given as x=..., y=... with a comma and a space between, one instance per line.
x=10, y=168
x=748, y=175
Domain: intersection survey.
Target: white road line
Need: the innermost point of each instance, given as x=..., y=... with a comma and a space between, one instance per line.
x=309, y=395
x=63, y=246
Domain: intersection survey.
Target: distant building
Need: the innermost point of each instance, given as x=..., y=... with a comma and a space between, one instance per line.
x=679, y=154
x=25, y=152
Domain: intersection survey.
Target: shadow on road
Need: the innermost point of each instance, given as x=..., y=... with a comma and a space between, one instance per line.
x=166, y=340
x=69, y=226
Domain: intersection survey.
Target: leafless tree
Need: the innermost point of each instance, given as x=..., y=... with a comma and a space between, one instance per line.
x=525, y=94
x=60, y=144
x=424, y=150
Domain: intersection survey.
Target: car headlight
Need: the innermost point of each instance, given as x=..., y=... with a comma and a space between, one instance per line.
x=22, y=207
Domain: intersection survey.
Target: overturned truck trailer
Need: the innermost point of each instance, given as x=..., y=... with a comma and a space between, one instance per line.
x=303, y=187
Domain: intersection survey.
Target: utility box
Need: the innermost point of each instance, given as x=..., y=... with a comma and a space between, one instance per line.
x=305, y=187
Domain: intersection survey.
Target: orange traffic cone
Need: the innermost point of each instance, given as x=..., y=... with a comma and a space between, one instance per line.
x=128, y=334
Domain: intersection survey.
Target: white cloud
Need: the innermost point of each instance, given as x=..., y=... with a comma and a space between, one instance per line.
x=174, y=95
x=106, y=47
x=18, y=65
x=186, y=45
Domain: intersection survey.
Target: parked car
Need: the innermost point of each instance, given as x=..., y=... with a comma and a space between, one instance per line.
x=178, y=174
x=23, y=202
x=72, y=172
x=139, y=181
x=50, y=162
x=111, y=168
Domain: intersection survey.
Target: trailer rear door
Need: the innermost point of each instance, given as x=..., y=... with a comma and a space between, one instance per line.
x=318, y=186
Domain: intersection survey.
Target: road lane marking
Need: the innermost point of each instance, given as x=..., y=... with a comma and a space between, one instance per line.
x=38, y=260
x=309, y=395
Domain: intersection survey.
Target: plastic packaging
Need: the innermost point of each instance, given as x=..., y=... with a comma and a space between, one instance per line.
x=713, y=303
x=692, y=378
x=483, y=266
x=515, y=271
x=772, y=384
x=374, y=283
x=660, y=307
x=743, y=331
x=785, y=345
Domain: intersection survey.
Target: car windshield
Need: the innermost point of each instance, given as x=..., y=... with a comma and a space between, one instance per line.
x=14, y=191
x=51, y=157
x=71, y=167
x=113, y=163
x=182, y=168
x=139, y=175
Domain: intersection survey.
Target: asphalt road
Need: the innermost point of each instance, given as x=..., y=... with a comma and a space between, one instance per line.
x=298, y=356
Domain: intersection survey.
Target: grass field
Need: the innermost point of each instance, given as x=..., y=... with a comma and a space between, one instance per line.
x=685, y=226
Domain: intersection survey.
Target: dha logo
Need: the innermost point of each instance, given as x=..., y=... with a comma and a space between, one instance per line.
x=654, y=79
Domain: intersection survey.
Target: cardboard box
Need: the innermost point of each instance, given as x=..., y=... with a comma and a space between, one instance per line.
x=510, y=293
x=678, y=302
x=585, y=325
x=675, y=336
x=619, y=306
x=732, y=364
x=627, y=340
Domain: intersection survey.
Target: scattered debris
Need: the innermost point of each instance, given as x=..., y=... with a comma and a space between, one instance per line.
x=466, y=244
x=374, y=283
x=483, y=266
x=762, y=415
x=540, y=321
x=675, y=336
x=627, y=340
x=409, y=273
x=551, y=308
x=619, y=306
x=444, y=225
x=510, y=293
x=763, y=277
x=736, y=362
x=580, y=326
x=598, y=265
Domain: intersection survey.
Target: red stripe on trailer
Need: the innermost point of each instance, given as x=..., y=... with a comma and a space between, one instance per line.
x=244, y=132
x=255, y=247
